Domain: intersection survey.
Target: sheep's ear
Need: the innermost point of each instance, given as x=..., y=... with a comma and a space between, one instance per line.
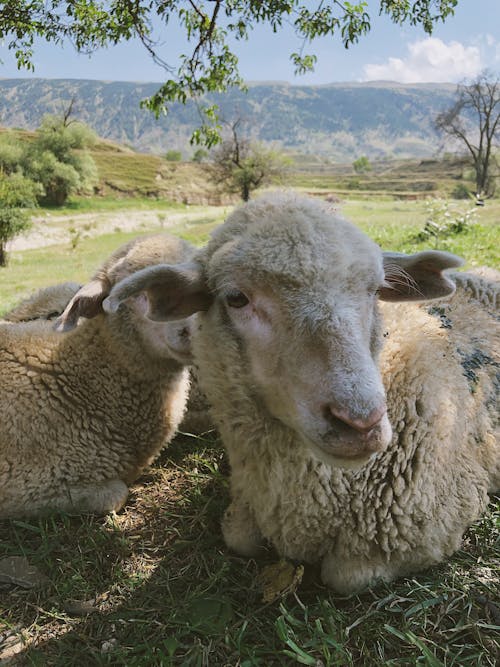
x=417, y=277
x=87, y=302
x=173, y=291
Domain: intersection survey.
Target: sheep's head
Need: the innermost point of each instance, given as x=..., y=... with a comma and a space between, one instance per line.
x=294, y=289
x=161, y=340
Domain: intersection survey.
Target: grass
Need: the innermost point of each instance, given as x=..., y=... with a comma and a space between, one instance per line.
x=394, y=226
x=29, y=270
x=159, y=588
x=80, y=204
x=155, y=585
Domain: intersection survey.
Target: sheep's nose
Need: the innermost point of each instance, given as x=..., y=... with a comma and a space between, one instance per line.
x=361, y=424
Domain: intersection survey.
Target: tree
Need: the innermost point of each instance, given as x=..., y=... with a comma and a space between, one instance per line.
x=244, y=166
x=474, y=120
x=16, y=194
x=200, y=155
x=361, y=165
x=11, y=152
x=57, y=158
x=208, y=64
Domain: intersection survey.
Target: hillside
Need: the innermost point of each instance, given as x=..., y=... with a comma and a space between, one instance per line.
x=335, y=122
x=125, y=173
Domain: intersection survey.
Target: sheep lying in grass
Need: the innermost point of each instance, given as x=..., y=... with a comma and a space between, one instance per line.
x=45, y=304
x=48, y=303
x=327, y=465
x=84, y=412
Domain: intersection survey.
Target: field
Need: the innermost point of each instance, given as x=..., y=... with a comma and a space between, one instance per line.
x=155, y=585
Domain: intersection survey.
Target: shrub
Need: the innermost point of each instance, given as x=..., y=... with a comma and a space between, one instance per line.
x=361, y=165
x=443, y=221
x=16, y=194
x=460, y=191
x=200, y=155
x=173, y=156
x=57, y=159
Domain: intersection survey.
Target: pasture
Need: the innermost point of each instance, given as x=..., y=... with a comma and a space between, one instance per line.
x=155, y=585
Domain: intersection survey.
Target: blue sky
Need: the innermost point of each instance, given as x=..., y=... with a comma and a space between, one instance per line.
x=467, y=43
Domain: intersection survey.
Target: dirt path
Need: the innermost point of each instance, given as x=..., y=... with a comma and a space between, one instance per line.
x=54, y=229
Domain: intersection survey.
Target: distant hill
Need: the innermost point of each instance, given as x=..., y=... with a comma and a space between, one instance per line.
x=338, y=122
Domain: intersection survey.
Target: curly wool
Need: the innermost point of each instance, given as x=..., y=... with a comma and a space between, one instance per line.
x=84, y=412
x=408, y=507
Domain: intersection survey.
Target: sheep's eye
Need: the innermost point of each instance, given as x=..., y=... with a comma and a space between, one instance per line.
x=236, y=300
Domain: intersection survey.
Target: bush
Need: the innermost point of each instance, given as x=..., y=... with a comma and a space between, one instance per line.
x=443, y=222
x=173, y=156
x=11, y=152
x=58, y=160
x=361, y=165
x=460, y=191
x=200, y=155
x=16, y=194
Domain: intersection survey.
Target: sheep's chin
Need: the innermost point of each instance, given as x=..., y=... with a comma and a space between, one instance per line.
x=352, y=463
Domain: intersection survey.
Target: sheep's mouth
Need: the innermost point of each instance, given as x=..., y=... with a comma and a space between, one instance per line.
x=346, y=448
x=349, y=459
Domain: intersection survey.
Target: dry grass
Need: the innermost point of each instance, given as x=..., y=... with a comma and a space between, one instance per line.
x=154, y=585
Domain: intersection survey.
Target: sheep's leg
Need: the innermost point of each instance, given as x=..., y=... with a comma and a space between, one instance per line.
x=96, y=498
x=240, y=530
x=356, y=574
x=92, y=498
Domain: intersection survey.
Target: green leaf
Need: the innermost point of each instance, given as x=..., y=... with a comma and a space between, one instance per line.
x=209, y=615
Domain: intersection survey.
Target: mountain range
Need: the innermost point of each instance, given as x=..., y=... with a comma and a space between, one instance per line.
x=336, y=122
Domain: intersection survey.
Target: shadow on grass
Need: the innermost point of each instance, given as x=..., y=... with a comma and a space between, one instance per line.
x=155, y=585
x=156, y=579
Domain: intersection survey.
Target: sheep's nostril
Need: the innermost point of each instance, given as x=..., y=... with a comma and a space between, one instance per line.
x=361, y=424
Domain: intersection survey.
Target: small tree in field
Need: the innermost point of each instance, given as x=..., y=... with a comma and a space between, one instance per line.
x=200, y=155
x=361, y=165
x=474, y=120
x=244, y=166
x=58, y=159
x=16, y=195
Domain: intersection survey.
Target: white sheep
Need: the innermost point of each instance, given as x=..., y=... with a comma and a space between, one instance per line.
x=368, y=445
x=84, y=412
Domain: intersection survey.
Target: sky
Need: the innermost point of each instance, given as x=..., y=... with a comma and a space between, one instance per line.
x=459, y=49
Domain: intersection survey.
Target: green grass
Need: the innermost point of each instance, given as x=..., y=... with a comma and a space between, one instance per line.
x=394, y=225
x=76, y=205
x=161, y=588
x=29, y=270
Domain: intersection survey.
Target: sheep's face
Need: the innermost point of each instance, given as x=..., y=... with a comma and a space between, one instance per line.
x=313, y=363
x=131, y=324
x=290, y=293
x=305, y=318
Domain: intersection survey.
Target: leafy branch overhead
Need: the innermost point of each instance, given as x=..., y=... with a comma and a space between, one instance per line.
x=211, y=28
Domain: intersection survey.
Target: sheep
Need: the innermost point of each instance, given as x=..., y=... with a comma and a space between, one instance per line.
x=86, y=408
x=483, y=284
x=366, y=444
x=45, y=304
x=48, y=303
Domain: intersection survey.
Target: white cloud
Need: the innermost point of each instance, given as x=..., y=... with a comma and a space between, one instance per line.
x=429, y=60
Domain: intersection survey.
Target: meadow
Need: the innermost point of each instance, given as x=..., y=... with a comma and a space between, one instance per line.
x=155, y=585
